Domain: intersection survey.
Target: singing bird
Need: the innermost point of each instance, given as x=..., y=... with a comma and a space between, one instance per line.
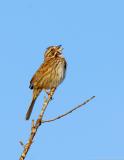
x=49, y=75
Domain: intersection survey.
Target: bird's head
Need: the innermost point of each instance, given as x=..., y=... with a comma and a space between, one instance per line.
x=53, y=51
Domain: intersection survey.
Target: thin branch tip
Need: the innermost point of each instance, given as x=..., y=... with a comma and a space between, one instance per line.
x=40, y=121
x=70, y=111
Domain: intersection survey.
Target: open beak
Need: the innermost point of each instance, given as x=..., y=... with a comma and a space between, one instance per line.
x=60, y=48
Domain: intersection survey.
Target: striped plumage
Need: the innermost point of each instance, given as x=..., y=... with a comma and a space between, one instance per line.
x=50, y=74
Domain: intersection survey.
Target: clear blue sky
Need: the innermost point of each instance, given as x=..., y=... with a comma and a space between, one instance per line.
x=92, y=34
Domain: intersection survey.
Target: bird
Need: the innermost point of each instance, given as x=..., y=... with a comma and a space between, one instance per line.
x=50, y=74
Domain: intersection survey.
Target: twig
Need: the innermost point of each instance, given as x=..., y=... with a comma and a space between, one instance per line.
x=36, y=125
x=39, y=121
x=22, y=144
x=62, y=115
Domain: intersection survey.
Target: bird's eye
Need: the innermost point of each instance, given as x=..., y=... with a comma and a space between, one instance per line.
x=50, y=53
x=52, y=49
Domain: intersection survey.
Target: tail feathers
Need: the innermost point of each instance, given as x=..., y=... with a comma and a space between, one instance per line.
x=30, y=109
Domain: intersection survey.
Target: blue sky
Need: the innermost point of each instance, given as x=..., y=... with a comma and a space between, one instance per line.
x=92, y=34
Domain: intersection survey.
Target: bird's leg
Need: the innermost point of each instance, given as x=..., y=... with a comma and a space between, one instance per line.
x=50, y=93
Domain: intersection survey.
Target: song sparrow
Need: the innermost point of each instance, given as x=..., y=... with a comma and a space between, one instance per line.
x=50, y=74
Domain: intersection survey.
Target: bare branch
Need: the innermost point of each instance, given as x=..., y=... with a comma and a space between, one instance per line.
x=62, y=115
x=36, y=125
